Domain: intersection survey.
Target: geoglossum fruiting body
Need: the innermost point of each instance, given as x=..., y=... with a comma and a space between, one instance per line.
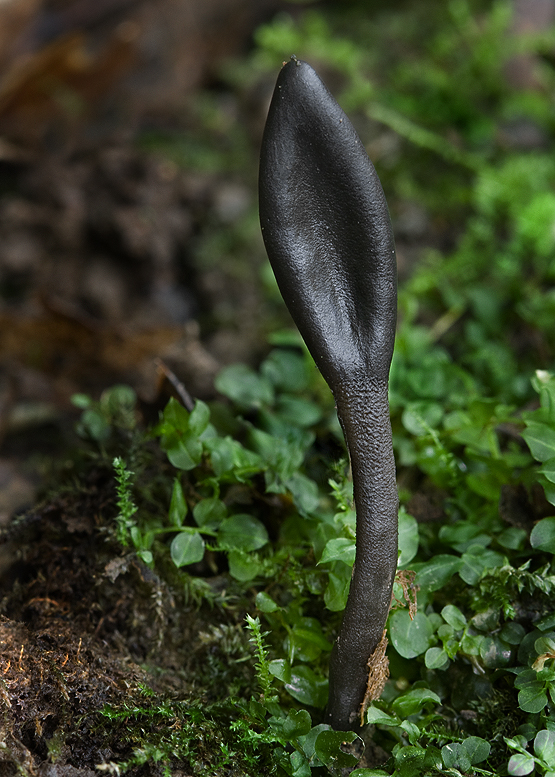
x=328, y=236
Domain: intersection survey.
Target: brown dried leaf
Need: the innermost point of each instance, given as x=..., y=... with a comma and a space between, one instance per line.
x=378, y=673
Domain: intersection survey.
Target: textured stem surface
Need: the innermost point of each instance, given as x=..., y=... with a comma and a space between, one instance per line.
x=328, y=235
x=363, y=410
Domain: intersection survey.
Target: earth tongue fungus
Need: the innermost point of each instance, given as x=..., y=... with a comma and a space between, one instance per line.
x=328, y=235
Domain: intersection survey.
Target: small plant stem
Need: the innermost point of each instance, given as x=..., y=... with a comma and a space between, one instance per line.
x=126, y=506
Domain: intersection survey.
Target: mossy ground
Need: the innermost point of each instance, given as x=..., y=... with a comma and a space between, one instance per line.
x=86, y=629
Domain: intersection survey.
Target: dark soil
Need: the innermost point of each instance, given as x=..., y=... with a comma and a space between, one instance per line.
x=66, y=644
x=86, y=627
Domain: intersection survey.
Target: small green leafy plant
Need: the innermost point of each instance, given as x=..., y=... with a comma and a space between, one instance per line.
x=126, y=507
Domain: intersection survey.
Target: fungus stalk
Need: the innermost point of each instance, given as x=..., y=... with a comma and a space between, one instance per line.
x=328, y=236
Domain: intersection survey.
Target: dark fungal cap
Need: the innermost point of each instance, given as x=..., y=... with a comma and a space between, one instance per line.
x=326, y=228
